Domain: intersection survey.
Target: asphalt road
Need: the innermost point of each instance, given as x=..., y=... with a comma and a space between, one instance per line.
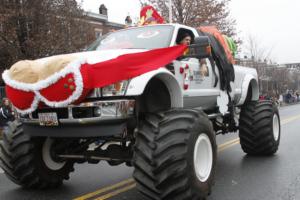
x=239, y=177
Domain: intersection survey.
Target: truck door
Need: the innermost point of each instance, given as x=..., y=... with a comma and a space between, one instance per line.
x=197, y=80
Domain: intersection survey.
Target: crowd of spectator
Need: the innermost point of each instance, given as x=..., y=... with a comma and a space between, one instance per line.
x=291, y=96
x=288, y=97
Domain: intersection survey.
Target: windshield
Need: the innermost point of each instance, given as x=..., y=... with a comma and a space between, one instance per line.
x=147, y=37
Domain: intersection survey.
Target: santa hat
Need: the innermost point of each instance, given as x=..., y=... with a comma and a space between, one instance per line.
x=73, y=83
x=60, y=89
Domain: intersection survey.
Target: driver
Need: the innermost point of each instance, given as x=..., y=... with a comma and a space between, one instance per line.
x=185, y=39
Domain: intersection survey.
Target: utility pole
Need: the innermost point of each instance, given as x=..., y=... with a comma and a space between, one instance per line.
x=170, y=11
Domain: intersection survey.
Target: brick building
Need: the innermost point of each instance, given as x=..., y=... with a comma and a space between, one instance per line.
x=100, y=22
x=292, y=66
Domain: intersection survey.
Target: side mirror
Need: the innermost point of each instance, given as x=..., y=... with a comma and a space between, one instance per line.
x=200, y=48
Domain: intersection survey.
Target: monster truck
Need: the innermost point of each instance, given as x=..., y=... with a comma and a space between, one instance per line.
x=163, y=123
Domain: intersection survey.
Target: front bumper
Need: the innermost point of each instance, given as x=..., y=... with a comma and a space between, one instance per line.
x=106, y=111
x=111, y=119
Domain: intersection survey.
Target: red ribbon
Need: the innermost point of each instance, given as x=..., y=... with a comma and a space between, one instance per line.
x=128, y=66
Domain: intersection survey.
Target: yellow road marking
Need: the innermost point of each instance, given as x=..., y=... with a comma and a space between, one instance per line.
x=122, y=189
x=290, y=119
x=228, y=144
x=221, y=147
x=116, y=192
x=101, y=191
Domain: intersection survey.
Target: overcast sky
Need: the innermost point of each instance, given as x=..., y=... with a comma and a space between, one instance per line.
x=275, y=23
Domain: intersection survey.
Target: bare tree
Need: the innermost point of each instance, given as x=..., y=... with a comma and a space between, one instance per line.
x=257, y=50
x=195, y=13
x=273, y=78
x=30, y=29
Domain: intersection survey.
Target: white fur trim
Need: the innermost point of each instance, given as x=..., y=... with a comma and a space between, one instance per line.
x=73, y=67
x=70, y=68
x=76, y=94
x=32, y=108
x=16, y=84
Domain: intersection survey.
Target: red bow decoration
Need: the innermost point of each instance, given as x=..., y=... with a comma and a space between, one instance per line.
x=75, y=81
x=149, y=15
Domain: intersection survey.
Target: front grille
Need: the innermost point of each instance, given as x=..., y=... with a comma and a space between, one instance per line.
x=62, y=113
x=83, y=112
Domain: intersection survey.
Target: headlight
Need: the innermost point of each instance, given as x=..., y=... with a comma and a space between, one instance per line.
x=116, y=89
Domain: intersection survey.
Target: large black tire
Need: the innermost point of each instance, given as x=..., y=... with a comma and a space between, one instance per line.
x=164, y=155
x=259, y=128
x=21, y=157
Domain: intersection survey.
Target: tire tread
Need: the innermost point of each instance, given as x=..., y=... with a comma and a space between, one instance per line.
x=256, y=131
x=163, y=173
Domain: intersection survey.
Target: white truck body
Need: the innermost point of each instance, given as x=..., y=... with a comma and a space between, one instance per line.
x=201, y=91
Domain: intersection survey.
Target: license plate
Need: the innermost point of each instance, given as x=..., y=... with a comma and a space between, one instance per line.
x=48, y=119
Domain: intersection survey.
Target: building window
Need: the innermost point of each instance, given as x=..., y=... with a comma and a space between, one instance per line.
x=98, y=33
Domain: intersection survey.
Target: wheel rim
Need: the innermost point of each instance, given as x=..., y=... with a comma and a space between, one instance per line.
x=203, y=157
x=47, y=158
x=276, y=128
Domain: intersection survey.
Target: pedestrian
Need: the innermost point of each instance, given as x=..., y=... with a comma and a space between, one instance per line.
x=6, y=113
x=288, y=97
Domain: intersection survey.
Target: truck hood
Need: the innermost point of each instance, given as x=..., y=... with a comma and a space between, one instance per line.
x=93, y=57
